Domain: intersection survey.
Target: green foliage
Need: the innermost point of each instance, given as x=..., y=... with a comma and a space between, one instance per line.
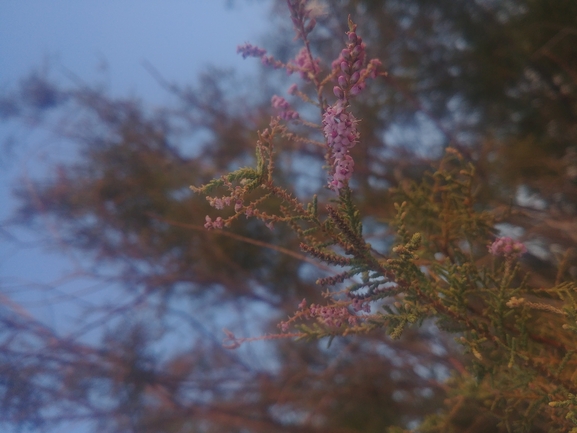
x=440, y=270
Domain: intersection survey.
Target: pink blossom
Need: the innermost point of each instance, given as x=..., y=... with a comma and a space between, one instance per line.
x=216, y=224
x=285, y=110
x=303, y=64
x=248, y=50
x=331, y=316
x=217, y=203
x=340, y=131
x=507, y=247
x=343, y=171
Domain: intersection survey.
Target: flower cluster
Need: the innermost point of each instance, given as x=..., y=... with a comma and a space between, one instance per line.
x=350, y=63
x=216, y=224
x=340, y=131
x=219, y=203
x=332, y=316
x=339, y=125
x=285, y=110
x=349, y=66
x=507, y=247
x=306, y=66
x=225, y=201
x=248, y=50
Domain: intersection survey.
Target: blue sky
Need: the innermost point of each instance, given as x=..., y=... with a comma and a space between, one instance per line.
x=103, y=41
x=177, y=36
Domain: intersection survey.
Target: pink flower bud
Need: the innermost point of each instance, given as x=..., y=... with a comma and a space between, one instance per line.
x=356, y=51
x=358, y=88
x=342, y=81
x=338, y=92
